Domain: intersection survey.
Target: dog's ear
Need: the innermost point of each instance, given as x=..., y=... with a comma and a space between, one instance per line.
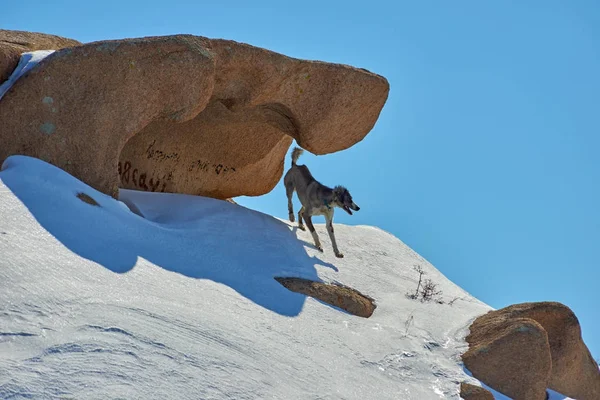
x=338, y=194
x=339, y=191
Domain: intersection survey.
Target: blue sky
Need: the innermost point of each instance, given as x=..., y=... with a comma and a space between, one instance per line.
x=485, y=157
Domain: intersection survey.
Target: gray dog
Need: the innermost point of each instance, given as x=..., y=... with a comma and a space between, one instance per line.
x=316, y=199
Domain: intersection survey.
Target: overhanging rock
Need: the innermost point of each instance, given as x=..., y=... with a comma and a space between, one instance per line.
x=184, y=114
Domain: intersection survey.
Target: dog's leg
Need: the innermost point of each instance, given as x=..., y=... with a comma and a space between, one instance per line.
x=329, y=223
x=289, y=191
x=300, y=224
x=311, y=228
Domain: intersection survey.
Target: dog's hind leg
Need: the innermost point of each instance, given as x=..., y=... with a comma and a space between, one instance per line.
x=311, y=228
x=300, y=224
x=289, y=191
x=329, y=223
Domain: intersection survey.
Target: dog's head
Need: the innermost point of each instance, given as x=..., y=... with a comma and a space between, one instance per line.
x=343, y=199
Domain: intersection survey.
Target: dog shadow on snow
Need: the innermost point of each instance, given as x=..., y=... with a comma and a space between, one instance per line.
x=197, y=237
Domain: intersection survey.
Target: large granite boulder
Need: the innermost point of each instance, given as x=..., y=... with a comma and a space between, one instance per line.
x=523, y=349
x=184, y=114
x=13, y=43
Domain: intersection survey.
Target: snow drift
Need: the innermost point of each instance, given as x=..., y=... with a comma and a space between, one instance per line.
x=97, y=302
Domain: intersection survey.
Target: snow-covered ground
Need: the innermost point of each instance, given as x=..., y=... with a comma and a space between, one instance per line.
x=99, y=303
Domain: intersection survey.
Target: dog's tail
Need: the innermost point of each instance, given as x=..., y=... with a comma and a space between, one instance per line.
x=297, y=152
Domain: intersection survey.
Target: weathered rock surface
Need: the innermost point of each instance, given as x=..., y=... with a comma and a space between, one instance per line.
x=184, y=114
x=472, y=392
x=80, y=105
x=523, y=349
x=342, y=297
x=13, y=43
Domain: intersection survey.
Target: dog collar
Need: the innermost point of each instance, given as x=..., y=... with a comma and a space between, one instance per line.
x=326, y=204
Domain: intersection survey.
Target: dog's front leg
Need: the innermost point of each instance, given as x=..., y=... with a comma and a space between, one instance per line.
x=329, y=223
x=311, y=228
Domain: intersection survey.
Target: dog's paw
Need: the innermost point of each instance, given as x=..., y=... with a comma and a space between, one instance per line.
x=301, y=227
x=292, y=219
x=339, y=255
x=320, y=248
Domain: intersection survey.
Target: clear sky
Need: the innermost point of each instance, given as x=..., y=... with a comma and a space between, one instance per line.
x=485, y=157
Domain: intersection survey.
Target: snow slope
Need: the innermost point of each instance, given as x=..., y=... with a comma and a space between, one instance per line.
x=98, y=303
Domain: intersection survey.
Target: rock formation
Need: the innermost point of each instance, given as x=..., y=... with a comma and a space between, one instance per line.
x=184, y=114
x=523, y=349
